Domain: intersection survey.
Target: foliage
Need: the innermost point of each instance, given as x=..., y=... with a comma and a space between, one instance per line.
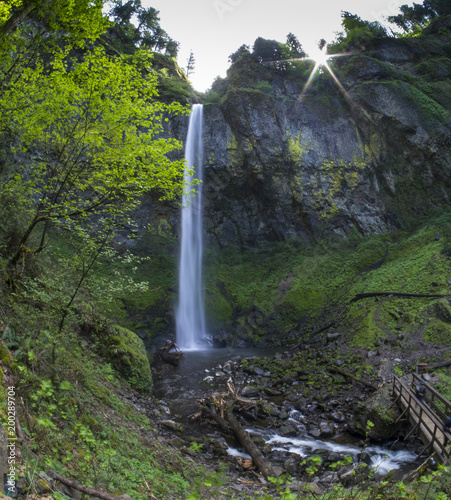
x=136, y=27
x=358, y=33
x=241, y=51
x=190, y=63
x=272, y=51
x=413, y=19
x=93, y=126
x=79, y=21
x=296, y=49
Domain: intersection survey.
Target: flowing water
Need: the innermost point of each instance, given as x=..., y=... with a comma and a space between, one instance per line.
x=190, y=315
x=180, y=387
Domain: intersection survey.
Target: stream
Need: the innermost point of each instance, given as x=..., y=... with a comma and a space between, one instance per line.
x=180, y=387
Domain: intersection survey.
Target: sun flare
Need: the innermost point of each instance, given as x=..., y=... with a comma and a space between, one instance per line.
x=320, y=57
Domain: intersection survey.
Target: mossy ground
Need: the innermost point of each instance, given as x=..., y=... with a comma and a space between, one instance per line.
x=78, y=419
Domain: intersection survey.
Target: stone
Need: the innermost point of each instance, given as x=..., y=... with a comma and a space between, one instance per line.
x=338, y=417
x=220, y=374
x=258, y=371
x=364, y=457
x=278, y=471
x=170, y=424
x=124, y=497
x=306, y=487
x=291, y=466
x=316, y=433
x=333, y=336
x=71, y=492
x=176, y=442
x=283, y=415
x=354, y=474
x=379, y=410
x=333, y=457
x=339, y=362
x=287, y=430
x=228, y=367
x=326, y=429
x=371, y=354
x=250, y=391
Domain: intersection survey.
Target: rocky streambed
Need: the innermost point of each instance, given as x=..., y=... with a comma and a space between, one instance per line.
x=319, y=427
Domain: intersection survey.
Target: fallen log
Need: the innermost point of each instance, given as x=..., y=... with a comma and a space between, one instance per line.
x=163, y=354
x=263, y=465
x=425, y=367
x=349, y=375
x=220, y=408
x=360, y=296
x=80, y=487
x=316, y=332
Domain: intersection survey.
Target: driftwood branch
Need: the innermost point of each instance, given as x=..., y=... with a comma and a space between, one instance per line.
x=438, y=365
x=163, y=354
x=349, y=375
x=220, y=408
x=263, y=465
x=360, y=296
x=80, y=487
x=19, y=431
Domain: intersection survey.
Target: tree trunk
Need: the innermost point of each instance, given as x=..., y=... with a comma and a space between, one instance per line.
x=80, y=487
x=360, y=296
x=230, y=425
x=346, y=374
x=263, y=465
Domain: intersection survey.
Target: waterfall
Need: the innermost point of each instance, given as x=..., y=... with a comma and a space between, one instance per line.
x=190, y=314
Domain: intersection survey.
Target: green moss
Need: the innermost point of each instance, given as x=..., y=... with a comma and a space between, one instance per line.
x=218, y=309
x=438, y=332
x=431, y=109
x=5, y=356
x=124, y=350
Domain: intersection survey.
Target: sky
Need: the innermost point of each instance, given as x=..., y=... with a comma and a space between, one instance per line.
x=214, y=29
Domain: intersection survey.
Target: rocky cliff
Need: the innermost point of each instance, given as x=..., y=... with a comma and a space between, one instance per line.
x=367, y=146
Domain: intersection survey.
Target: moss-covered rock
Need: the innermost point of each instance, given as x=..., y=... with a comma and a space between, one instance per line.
x=123, y=349
x=376, y=418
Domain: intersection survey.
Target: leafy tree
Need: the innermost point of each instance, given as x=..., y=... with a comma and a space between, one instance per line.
x=267, y=50
x=353, y=23
x=79, y=129
x=241, y=51
x=93, y=127
x=414, y=18
x=138, y=27
x=295, y=47
x=83, y=18
x=357, y=32
x=190, y=64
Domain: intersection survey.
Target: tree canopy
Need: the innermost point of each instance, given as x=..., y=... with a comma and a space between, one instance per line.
x=135, y=26
x=80, y=130
x=415, y=17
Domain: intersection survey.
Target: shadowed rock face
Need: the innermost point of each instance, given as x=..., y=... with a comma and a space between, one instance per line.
x=373, y=158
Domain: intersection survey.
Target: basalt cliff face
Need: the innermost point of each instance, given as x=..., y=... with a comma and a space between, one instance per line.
x=368, y=149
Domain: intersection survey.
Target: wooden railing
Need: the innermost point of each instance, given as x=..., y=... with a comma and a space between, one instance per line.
x=427, y=418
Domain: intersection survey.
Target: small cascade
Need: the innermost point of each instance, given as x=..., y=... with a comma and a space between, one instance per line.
x=190, y=314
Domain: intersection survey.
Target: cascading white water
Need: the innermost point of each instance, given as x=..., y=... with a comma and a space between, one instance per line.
x=190, y=314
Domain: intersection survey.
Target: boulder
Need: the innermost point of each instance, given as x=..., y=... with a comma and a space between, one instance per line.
x=326, y=429
x=377, y=410
x=249, y=392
